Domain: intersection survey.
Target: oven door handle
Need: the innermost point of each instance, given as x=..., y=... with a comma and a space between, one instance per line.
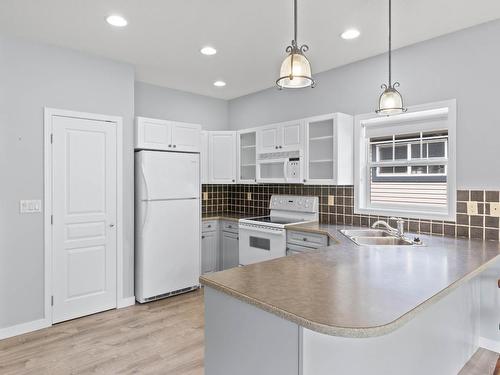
x=262, y=230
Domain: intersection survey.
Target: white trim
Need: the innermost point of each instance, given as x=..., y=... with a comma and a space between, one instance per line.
x=47, y=206
x=361, y=189
x=489, y=344
x=19, y=329
x=125, y=302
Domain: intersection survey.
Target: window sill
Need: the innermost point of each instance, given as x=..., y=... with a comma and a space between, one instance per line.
x=423, y=215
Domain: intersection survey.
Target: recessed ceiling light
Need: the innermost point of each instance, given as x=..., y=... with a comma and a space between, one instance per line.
x=116, y=20
x=219, y=83
x=209, y=51
x=350, y=34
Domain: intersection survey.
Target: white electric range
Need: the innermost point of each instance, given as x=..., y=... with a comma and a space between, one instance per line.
x=263, y=238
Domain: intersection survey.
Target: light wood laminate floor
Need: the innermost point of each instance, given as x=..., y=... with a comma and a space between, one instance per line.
x=163, y=337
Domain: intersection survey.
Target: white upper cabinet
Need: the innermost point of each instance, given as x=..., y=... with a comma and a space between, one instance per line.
x=186, y=137
x=204, y=162
x=154, y=134
x=247, y=148
x=268, y=139
x=329, y=150
x=291, y=136
x=280, y=137
x=222, y=157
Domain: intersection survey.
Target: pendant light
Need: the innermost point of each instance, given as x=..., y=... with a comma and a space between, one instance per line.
x=295, y=72
x=390, y=101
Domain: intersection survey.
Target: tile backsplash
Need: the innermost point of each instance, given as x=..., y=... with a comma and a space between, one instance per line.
x=235, y=199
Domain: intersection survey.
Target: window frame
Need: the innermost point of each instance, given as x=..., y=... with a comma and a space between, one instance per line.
x=445, y=113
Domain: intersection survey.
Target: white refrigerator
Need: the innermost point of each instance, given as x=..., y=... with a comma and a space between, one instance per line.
x=167, y=224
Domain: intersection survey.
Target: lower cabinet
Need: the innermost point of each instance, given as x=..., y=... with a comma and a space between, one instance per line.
x=230, y=250
x=219, y=245
x=209, y=252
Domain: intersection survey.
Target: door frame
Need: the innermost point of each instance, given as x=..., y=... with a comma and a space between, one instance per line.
x=121, y=300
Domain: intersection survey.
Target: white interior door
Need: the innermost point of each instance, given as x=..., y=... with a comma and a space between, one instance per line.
x=84, y=194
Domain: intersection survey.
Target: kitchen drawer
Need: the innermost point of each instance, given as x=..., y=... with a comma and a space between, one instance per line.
x=292, y=248
x=230, y=226
x=307, y=239
x=209, y=225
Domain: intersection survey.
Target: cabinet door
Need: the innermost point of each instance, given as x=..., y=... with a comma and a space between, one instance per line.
x=209, y=252
x=247, y=157
x=204, y=158
x=230, y=250
x=222, y=159
x=291, y=137
x=153, y=134
x=268, y=139
x=185, y=137
x=320, y=153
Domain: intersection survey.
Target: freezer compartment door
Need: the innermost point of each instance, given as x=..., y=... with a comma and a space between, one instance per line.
x=167, y=175
x=167, y=247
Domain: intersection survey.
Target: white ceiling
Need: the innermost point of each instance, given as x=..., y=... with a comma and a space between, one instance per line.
x=164, y=37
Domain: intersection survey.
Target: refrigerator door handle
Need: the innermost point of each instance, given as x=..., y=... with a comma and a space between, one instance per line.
x=146, y=212
x=146, y=188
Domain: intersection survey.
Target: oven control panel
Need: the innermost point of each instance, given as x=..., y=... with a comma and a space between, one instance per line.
x=294, y=203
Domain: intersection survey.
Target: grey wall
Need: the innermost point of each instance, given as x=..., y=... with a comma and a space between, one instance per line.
x=169, y=104
x=463, y=65
x=33, y=76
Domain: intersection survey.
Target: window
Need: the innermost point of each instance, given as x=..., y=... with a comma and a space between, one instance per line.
x=406, y=163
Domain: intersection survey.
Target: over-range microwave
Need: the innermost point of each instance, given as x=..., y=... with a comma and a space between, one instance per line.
x=280, y=167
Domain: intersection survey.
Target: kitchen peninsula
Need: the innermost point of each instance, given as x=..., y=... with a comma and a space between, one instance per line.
x=349, y=309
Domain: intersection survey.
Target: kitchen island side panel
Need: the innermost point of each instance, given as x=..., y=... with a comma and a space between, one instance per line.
x=439, y=340
x=245, y=340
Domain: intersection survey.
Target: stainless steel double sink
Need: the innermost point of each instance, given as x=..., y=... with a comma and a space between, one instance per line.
x=376, y=237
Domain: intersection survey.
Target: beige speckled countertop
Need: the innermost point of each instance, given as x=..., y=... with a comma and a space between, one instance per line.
x=356, y=291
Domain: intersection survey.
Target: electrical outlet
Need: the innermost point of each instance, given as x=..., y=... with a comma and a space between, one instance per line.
x=495, y=209
x=331, y=200
x=205, y=196
x=249, y=196
x=471, y=208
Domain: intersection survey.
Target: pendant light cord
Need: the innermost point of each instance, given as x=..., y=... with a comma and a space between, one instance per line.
x=295, y=20
x=390, y=43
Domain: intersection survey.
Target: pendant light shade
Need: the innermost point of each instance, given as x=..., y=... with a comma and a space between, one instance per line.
x=295, y=70
x=390, y=101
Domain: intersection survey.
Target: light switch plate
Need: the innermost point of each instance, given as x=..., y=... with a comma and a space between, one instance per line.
x=495, y=209
x=30, y=206
x=205, y=195
x=471, y=208
x=331, y=200
x=249, y=196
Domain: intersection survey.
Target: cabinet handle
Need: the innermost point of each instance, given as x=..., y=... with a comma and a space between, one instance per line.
x=209, y=226
x=305, y=180
x=281, y=146
x=238, y=238
x=175, y=146
x=233, y=180
x=276, y=147
x=169, y=145
x=304, y=239
x=202, y=237
x=229, y=226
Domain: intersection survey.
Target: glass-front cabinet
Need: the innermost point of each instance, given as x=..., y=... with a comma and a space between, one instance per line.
x=329, y=150
x=247, y=148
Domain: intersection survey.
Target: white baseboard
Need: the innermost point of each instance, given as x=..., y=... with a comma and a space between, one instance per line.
x=489, y=344
x=125, y=302
x=19, y=329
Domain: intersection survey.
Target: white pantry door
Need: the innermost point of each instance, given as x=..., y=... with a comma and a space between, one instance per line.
x=84, y=217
